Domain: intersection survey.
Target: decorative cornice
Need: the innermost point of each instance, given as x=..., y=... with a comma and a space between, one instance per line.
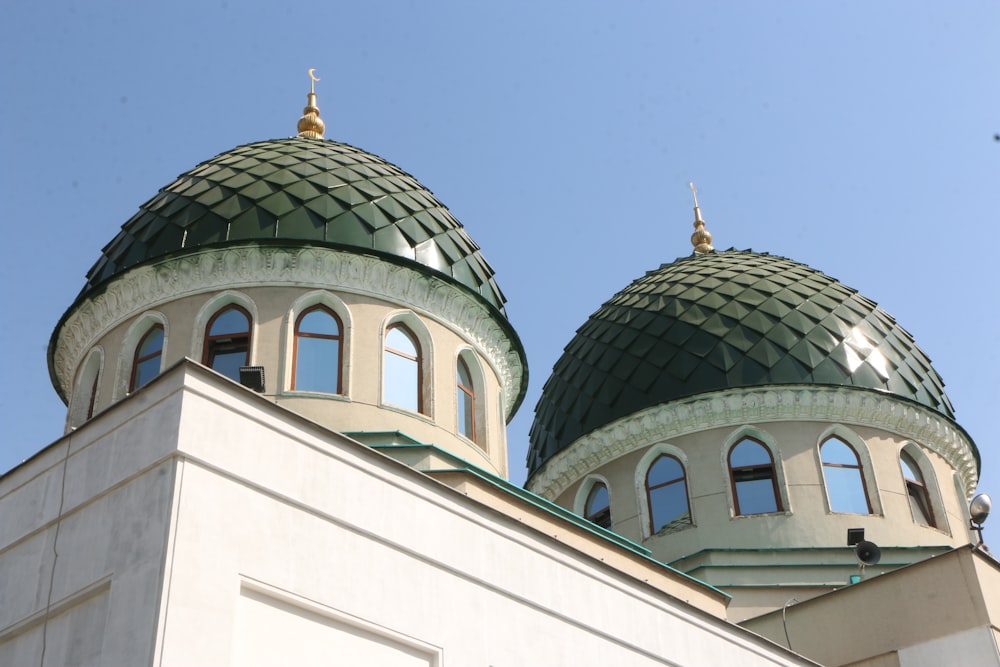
x=735, y=407
x=151, y=285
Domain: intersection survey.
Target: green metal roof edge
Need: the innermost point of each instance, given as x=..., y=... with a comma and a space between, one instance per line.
x=747, y=566
x=551, y=508
x=402, y=434
x=942, y=548
x=498, y=315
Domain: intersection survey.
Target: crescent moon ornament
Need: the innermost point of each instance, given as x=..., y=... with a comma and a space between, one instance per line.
x=312, y=85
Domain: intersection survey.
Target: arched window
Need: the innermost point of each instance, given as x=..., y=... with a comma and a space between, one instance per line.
x=83, y=403
x=666, y=492
x=401, y=367
x=466, y=401
x=317, y=351
x=845, y=485
x=92, y=398
x=146, y=362
x=916, y=490
x=598, y=507
x=755, y=484
x=227, y=341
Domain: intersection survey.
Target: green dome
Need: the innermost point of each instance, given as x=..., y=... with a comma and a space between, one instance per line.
x=718, y=321
x=304, y=191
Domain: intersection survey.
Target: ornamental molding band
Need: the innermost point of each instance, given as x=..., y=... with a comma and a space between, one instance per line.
x=151, y=285
x=736, y=407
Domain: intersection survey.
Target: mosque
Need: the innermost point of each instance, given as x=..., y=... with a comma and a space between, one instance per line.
x=288, y=379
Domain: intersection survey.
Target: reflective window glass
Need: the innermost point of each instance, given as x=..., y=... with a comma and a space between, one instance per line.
x=666, y=490
x=317, y=351
x=845, y=485
x=916, y=490
x=598, y=507
x=401, y=385
x=755, y=485
x=227, y=342
x=466, y=401
x=148, y=353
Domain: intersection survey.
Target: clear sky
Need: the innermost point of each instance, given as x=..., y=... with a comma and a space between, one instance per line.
x=857, y=137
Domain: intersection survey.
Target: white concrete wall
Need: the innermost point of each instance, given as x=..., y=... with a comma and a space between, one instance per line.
x=972, y=647
x=81, y=553
x=287, y=541
x=297, y=516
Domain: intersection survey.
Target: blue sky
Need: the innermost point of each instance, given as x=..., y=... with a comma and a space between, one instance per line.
x=855, y=137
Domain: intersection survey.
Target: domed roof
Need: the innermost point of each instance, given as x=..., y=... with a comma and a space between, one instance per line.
x=723, y=320
x=303, y=191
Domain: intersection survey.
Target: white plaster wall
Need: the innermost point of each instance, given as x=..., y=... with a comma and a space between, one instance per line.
x=265, y=504
x=83, y=532
x=972, y=647
x=201, y=525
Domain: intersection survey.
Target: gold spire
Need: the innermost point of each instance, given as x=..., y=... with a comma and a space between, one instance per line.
x=311, y=126
x=702, y=238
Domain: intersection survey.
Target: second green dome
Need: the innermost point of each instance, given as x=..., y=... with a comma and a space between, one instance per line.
x=724, y=320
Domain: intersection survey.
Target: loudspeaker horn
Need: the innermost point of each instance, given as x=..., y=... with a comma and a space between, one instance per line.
x=868, y=553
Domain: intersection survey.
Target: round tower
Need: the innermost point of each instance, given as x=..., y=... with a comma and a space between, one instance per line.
x=738, y=412
x=318, y=274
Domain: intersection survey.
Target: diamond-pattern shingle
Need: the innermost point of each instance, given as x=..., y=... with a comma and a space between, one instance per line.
x=300, y=191
x=723, y=320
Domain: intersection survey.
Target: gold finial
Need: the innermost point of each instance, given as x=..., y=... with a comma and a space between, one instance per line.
x=702, y=238
x=311, y=126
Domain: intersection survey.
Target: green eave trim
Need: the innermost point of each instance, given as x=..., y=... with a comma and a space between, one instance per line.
x=549, y=508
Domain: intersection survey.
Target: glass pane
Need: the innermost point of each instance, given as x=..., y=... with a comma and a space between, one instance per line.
x=837, y=451
x=668, y=507
x=401, y=381
x=918, y=504
x=749, y=453
x=230, y=321
x=464, y=378
x=317, y=365
x=756, y=496
x=146, y=371
x=318, y=321
x=153, y=342
x=910, y=469
x=846, y=490
x=598, y=499
x=228, y=361
x=665, y=469
x=598, y=507
x=465, y=411
x=93, y=399
x=398, y=340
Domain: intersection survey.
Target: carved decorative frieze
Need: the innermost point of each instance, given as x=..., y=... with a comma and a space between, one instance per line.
x=148, y=286
x=736, y=407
